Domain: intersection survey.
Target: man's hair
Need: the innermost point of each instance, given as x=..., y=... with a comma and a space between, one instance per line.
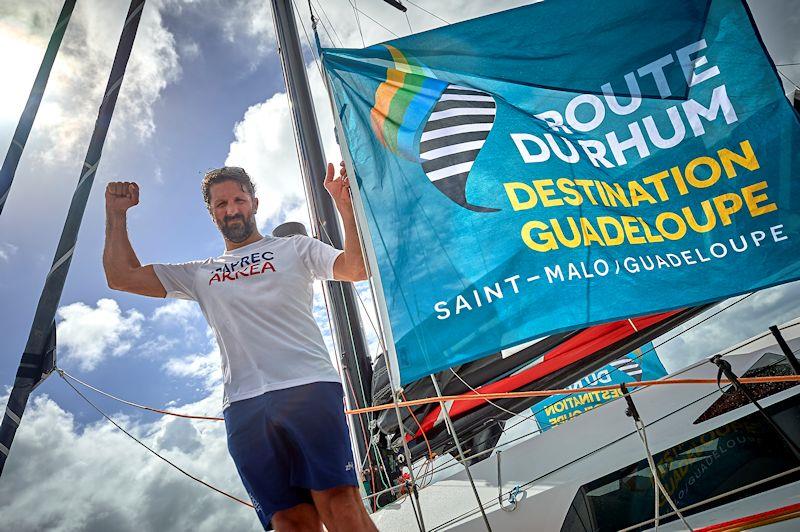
x=226, y=173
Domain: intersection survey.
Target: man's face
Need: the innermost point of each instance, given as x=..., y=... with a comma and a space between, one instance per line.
x=233, y=210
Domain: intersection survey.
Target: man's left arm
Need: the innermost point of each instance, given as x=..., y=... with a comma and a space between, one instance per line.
x=349, y=266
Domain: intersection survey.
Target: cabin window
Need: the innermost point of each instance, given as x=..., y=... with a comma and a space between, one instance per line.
x=731, y=456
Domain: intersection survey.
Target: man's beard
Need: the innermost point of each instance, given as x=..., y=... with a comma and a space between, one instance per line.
x=238, y=232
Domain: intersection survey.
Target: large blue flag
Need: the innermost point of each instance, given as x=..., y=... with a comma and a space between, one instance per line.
x=568, y=163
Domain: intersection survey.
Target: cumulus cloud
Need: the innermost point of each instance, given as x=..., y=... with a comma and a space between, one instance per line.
x=111, y=482
x=91, y=334
x=179, y=434
x=80, y=72
x=178, y=310
x=264, y=145
x=202, y=367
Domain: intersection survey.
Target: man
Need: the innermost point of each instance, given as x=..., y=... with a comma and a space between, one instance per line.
x=283, y=398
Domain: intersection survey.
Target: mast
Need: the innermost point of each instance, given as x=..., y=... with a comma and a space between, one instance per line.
x=38, y=360
x=25, y=123
x=355, y=362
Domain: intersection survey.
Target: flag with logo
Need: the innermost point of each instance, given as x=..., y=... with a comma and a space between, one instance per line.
x=639, y=365
x=564, y=164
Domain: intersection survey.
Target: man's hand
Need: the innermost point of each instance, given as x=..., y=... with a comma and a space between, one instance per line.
x=338, y=187
x=348, y=266
x=121, y=196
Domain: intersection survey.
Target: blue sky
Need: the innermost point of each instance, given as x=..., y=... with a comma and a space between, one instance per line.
x=204, y=88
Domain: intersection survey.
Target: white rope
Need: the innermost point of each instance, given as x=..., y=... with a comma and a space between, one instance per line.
x=657, y=485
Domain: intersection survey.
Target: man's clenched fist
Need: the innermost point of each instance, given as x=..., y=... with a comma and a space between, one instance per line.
x=121, y=196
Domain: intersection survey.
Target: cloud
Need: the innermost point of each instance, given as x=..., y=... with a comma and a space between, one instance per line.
x=7, y=250
x=90, y=335
x=264, y=145
x=80, y=72
x=746, y=318
x=203, y=367
x=179, y=434
x=389, y=23
x=177, y=310
x=112, y=483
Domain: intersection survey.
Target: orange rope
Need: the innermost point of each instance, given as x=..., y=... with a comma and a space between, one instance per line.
x=477, y=396
x=427, y=443
x=565, y=391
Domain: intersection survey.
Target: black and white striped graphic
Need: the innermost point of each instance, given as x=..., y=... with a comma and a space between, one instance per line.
x=453, y=136
x=629, y=366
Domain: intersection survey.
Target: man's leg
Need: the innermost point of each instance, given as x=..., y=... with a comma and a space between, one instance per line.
x=341, y=510
x=300, y=518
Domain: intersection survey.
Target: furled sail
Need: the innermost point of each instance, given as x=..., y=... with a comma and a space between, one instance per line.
x=553, y=362
x=563, y=165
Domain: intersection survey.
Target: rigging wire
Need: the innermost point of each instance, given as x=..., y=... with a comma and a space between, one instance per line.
x=308, y=40
x=789, y=79
x=653, y=348
x=150, y=449
x=355, y=8
x=450, y=463
x=426, y=11
x=488, y=401
x=609, y=444
x=333, y=28
x=322, y=22
x=358, y=23
x=560, y=391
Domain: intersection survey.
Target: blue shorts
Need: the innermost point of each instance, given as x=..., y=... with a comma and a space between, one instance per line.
x=287, y=442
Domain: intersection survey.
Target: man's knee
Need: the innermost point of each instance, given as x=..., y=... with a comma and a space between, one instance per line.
x=338, y=500
x=300, y=518
x=341, y=508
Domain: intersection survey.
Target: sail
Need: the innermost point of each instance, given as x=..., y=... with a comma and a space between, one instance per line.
x=566, y=164
x=556, y=361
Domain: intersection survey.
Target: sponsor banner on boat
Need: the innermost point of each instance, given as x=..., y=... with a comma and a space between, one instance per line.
x=565, y=164
x=642, y=364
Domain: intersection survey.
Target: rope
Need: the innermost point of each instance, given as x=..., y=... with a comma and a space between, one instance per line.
x=140, y=442
x=66, y=376
x=470, y=397
x=640, y=430
x=547, y=393
x=652, y=349
x=450, y=463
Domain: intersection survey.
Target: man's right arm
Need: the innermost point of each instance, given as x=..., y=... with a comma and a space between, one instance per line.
x=123, y=269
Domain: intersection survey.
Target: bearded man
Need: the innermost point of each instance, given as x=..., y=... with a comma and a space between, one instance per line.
x=282, y=402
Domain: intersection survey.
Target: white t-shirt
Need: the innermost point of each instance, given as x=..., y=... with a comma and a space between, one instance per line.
x=258, y=301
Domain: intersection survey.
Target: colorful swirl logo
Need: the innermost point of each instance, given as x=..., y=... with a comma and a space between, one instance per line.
x=441, y=126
